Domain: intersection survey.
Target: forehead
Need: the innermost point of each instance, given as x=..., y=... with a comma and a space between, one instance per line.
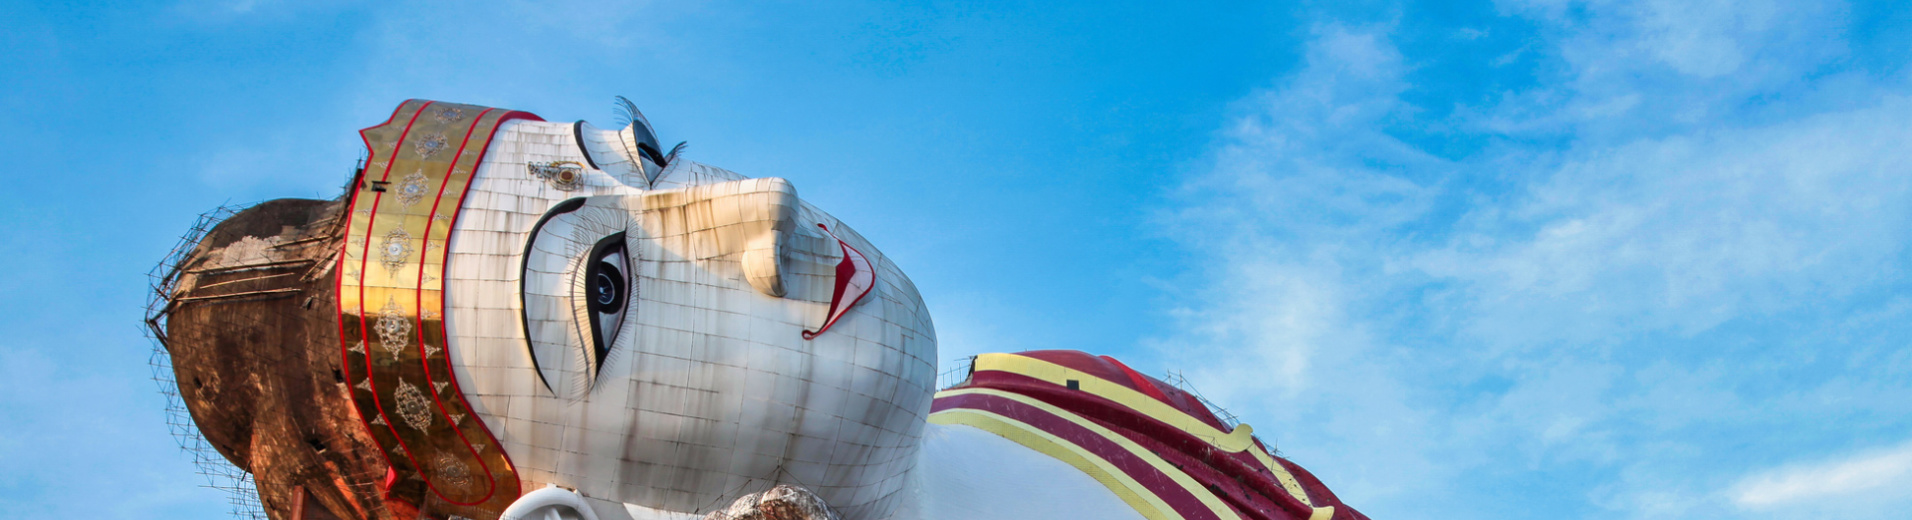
x=525, y=157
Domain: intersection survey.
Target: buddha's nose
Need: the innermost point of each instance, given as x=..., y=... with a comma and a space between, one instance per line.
x=767, y=219
x=751, y=221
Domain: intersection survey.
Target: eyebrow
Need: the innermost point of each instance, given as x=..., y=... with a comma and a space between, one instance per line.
x=524, y=262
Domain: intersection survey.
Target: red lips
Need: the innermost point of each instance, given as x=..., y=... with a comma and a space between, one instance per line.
x=854, y=278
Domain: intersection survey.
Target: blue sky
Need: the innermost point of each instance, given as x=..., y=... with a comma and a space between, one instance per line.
x=1513, y=259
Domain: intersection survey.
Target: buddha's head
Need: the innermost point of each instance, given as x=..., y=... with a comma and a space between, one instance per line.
x=621, y=320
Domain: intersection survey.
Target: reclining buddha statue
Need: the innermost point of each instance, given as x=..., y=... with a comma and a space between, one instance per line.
x=505, y=317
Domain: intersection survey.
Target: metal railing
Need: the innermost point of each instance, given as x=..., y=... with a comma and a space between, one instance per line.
x=1174, y=377
x=219, y=473
x=958, y=373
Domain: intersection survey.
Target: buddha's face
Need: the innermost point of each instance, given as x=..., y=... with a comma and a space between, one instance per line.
x=676, y=339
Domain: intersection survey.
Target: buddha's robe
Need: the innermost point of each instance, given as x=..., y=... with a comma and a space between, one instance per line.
x=1154, y=447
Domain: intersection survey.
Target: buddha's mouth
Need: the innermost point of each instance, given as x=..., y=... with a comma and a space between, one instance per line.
x=854, y=278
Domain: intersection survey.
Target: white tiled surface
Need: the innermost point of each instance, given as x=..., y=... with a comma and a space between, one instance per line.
x=710, y=391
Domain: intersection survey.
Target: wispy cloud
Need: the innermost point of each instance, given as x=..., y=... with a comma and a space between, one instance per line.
x=1296, y=204
x=1672, y=251
x=1648, y=68
x=1684, y=233
x=1868, y=478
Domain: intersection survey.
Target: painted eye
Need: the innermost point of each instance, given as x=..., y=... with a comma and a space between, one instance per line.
x=578, y=286
x=606, y=291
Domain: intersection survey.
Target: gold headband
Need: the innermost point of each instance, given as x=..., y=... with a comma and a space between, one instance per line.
x=391, y=311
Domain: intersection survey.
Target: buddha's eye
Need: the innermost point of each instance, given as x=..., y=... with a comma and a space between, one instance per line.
x=578, y=287
x=606, y=292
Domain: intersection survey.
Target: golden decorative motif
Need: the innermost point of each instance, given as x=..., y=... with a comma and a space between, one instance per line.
x=413, y=407
x=563, y=175
x=448, y=115
x=394, y=327
x=429, y=145
x=452, y=470
x=411, y=189
x=394, y=250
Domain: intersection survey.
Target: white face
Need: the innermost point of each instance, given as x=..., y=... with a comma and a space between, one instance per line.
x=644, y=341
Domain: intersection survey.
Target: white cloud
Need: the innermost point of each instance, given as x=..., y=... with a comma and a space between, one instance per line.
x=1289, y=210
x=1681, y=234
x=1880, y=475
x=1272, y=183
x=1633, y=68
